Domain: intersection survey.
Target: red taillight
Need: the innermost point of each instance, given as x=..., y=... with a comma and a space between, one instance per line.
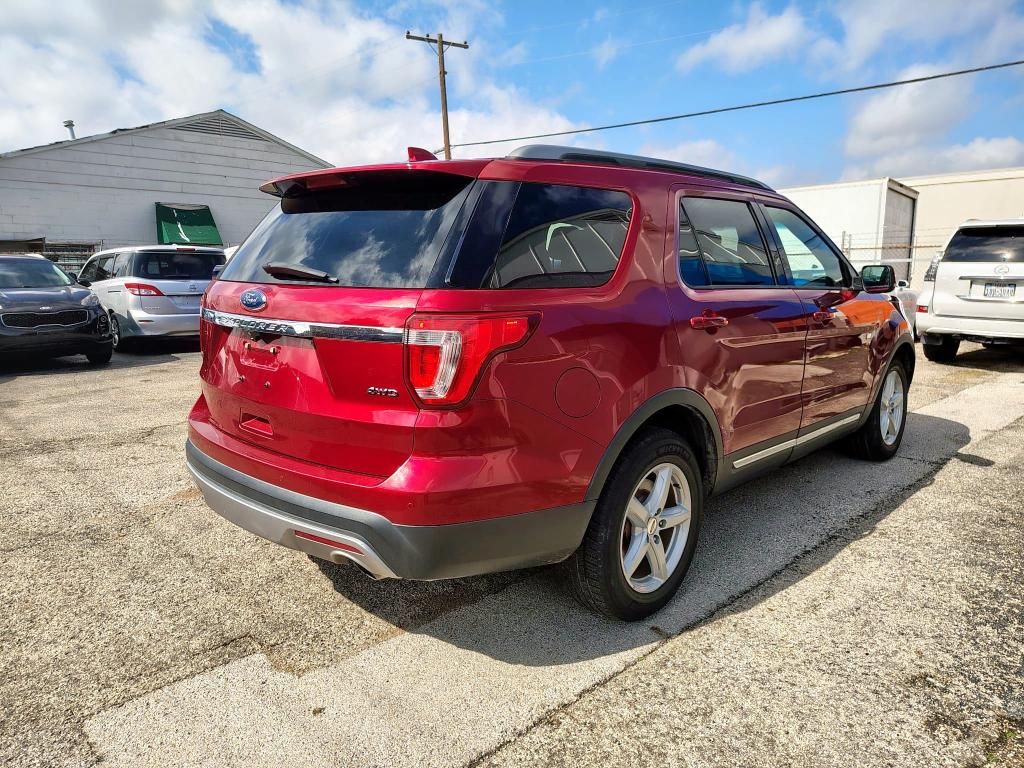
x=142, y=289
x=922, y=307
x=446, y=353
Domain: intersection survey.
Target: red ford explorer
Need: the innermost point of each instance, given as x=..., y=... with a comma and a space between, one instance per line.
x=443, y=368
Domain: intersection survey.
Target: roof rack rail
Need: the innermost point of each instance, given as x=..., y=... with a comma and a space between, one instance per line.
x=580, y=155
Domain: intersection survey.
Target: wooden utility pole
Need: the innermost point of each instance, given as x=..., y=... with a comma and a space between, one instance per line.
x=440, y=44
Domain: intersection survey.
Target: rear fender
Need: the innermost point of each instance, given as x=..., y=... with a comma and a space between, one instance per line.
x=647, y=413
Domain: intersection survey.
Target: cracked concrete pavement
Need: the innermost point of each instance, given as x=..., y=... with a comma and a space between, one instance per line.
x=837, y=613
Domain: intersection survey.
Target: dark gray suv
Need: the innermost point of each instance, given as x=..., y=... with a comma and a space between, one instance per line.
x=43, y=312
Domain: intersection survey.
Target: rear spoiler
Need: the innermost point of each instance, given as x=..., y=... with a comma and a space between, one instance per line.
x=298, y=184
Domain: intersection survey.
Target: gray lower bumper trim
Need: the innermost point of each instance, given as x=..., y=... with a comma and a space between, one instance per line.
x=422, y=552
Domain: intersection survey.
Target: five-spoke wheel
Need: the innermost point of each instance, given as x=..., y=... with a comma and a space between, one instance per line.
x=890, y=411
x=643, y=532
x=655, y=527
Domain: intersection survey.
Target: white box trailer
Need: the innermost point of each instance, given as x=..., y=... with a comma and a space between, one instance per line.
x=871, y=220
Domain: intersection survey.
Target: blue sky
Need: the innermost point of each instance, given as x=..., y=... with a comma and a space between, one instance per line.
x=339, y=79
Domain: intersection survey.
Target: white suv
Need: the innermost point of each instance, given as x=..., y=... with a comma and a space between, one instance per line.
x=974, y=289
x=151, y=290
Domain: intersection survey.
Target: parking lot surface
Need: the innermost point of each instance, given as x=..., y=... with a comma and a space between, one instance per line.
x=837, y=613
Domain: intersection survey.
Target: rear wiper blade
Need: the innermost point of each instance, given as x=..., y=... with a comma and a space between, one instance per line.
x=297, y=272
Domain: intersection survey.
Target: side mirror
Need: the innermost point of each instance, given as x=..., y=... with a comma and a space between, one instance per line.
x=902, y=284
x=879, y=278
x=216, y=271
x=84, y=283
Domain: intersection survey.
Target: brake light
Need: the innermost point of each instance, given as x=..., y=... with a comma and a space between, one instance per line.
x=922, y=308
x=445, y=354
x=142, y=289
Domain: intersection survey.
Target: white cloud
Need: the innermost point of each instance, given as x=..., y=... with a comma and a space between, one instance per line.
x=713, y=154
x=344, y=86
x=606, y=52
x=868, y=25
x=909, y=115
x=977, y=154
x=706, y=152
x=903, y=131
x=760, y=38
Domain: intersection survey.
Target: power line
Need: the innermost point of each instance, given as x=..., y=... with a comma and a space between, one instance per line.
x=753, y=105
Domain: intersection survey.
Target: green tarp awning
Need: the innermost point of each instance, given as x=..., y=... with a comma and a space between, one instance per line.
x=183, y=224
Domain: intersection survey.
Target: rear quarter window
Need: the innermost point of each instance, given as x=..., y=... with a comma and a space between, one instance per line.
x=560, y=235
x=995, y=244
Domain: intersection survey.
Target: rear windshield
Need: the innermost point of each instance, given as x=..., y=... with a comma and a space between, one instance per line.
x=986, y=244
x=167, y=265
x=31, y=273
x=381, y=230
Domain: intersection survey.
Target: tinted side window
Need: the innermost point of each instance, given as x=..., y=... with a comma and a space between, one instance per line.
x=88, y=271
x=121, y=262
x=730, y=242
x=811, y=261
x=104, y=266
x=560, y=236
x=691, y=265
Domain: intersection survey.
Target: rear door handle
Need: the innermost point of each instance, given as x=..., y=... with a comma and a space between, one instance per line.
x=707, y=320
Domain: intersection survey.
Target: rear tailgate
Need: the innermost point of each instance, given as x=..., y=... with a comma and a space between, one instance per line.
x=328, y=388
x=981, y=275
x=302, y=335
x=177, y=297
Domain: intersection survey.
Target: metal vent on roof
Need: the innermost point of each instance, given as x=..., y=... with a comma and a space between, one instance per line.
x=220, y=126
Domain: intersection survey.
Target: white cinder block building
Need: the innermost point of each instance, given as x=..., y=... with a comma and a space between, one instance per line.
x=906, y=222
x=78, y=196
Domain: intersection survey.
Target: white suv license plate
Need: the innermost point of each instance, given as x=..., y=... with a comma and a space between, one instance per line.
x=1000, y=290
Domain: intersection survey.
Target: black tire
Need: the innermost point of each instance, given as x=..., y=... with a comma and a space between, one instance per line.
x=868, y=442
x=100, y=356
x=944, y=352
x=118, y=342
x=596, y=570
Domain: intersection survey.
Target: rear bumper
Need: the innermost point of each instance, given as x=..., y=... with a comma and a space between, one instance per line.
x=386, y=549
x=142, y=323
x=969, y=327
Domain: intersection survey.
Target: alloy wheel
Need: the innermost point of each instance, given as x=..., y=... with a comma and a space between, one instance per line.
x=656, y=527
x=890, y=409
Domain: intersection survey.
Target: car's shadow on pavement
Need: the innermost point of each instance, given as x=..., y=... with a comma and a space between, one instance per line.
x=794, y=519
x=153, y=352
x=1001, y=358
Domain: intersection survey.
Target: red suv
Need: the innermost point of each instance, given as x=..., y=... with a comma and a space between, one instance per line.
x=444, y=368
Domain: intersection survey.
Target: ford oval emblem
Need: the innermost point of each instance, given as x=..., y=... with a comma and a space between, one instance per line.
x=253, y=299
x=1002, y=269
